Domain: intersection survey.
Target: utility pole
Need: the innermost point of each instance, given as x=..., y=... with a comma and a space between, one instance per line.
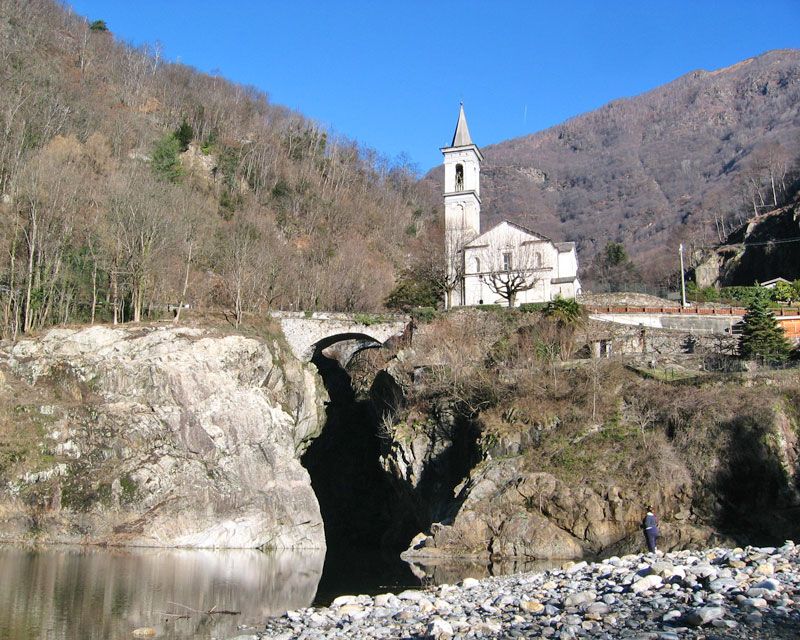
x=683, y=278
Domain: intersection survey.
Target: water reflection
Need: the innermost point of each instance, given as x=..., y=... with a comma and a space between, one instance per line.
x=66, y=593
x=453, y=570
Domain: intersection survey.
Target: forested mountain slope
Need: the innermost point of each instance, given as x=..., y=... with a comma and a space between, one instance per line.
x=687, y=161
x=129, y=183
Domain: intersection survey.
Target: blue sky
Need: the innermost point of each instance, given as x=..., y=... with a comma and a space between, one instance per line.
x=391, y=74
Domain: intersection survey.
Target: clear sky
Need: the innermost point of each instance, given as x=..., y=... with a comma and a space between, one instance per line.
x=391, y=74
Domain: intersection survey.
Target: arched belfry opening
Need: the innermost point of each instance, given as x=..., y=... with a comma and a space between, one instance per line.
x=459, y=177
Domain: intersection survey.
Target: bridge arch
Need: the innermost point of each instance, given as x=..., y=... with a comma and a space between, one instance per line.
x=309, y=334
x=346, y=346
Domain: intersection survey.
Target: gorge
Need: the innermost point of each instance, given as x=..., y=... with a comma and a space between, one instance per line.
x=199, y=437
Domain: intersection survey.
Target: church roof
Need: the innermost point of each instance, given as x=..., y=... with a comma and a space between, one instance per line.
x=476, y=242
x=461, y=137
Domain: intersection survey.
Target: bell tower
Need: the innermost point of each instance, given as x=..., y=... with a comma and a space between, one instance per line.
x=462, y=203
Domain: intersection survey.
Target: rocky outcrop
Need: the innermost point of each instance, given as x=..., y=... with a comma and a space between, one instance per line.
x=755, y=252
x=507, y=512
x=157, y=437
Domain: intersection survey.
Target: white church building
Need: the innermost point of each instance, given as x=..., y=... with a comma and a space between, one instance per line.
x=507, y=264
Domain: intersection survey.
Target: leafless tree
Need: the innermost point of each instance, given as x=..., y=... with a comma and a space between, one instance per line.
x=512, y=269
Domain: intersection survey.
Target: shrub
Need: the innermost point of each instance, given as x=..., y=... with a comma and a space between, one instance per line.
x=566, y=311
x=784, y=292
x=98, y=25
x=424, y=315
x=744, y=295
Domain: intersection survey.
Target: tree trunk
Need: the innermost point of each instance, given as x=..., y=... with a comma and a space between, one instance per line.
x=182, y=301
x=94, y=290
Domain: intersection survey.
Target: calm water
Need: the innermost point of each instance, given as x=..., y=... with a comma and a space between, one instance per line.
x=66, y=593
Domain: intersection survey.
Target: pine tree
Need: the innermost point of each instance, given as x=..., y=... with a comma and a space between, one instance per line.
x=762, y=336
x=184, y=134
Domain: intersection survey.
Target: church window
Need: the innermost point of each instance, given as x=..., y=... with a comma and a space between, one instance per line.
x=459, y=177
x=477, y=265
x=537, y=260
x=507, y=261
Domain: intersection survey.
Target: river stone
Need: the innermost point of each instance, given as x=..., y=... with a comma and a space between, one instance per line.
x=531, y=606
x=439, y=629
x=646, y=583
x=769, y=585
x=598, y=608
x=758, y=603
x=342, y=601
x=704, y=615
x=385, y=600
x=722, y=584
x=578, y=599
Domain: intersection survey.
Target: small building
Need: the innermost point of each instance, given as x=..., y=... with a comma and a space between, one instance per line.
x=771, y=284
x=507, y=264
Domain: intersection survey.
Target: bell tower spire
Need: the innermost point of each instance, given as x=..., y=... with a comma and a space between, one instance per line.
x=462, y=202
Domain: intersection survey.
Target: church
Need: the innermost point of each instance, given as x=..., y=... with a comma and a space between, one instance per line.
x=507, y=264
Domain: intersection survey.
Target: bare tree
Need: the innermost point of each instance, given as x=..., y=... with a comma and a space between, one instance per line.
x=512, y=269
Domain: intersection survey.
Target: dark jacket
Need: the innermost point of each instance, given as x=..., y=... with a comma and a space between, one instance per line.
x=650, y=523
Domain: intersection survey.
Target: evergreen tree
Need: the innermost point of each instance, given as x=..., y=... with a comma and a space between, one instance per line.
x=184, y=134
x=762, y=336
x=165, y=161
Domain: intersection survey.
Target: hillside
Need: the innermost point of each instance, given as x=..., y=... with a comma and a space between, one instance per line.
x=685, y=162
x=129, y=184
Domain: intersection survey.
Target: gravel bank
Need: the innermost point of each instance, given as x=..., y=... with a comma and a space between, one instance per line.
x=719, y=593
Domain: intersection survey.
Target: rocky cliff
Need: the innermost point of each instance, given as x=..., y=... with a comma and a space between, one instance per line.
x=157, y=437
x=766, y=247
x=510, y=457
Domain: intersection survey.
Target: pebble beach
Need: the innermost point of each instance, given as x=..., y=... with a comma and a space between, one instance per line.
x=751, y=592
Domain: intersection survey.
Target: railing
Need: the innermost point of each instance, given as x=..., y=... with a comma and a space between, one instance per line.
x=699, y=311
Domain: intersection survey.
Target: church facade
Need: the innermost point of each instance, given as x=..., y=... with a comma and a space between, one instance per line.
x=507, y=264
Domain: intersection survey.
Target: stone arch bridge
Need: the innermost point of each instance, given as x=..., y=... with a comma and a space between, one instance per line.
x=308, y=334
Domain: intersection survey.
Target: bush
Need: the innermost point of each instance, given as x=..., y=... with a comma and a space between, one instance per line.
x=785, y=292
x=744, y=295
x=98, y=25
x=424, y=315
x=532, y=307
x=566, y=311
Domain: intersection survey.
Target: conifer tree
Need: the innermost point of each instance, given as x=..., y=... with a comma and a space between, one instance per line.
x=762, y=336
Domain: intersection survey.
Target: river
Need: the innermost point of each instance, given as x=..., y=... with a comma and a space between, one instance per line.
x=93, y=593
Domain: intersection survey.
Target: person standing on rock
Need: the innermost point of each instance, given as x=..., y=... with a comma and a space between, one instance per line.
x=650, y=527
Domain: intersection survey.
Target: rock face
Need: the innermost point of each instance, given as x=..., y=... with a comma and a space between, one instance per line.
x=750, y=254
x=158, y=437
x=507, y=512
